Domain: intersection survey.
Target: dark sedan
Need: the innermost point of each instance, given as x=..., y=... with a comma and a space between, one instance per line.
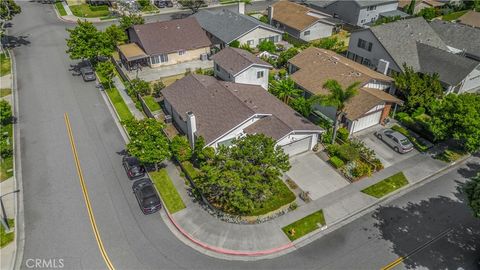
x=147, y=196
x=133, y=167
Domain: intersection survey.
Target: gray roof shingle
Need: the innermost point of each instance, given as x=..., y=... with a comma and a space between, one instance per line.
x=458, y=36
x=235, y=60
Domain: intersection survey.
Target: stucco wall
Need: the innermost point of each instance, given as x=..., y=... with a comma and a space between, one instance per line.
x=366, y=16
x=237, y=132
x=221, y=73
x=317, y=31
x=175, y=58
x=249, y=76
x=256, y=34
x=471, y=82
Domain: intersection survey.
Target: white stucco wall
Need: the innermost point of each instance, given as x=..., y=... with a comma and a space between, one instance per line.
x=366, y=16
x=317, y=31
x=249, y=76
x=256, y=34
x=471, y=82
x=236, y=132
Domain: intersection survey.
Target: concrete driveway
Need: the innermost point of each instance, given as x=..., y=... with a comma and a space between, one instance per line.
x=312, y=174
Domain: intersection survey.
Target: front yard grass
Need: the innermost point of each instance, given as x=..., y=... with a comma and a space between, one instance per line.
x=387, y=185
x=6, y=164
x=60, y=8
x=120, y=106
x=6, y=238
x=282, y=196
x=454, y=15
x=167, y=190
x=5, y=67
x=304, y=226
x=152, y=105
x=87, y=11
x=5, y=92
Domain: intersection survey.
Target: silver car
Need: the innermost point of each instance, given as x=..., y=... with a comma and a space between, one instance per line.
x=396, y=140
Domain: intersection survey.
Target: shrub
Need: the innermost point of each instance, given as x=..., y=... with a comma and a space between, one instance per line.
x=264, y=19
x=333, y=149
x=157, y=88
x=348, y=152
x=5, y=112
x=418, y=111
x=400, y=129
x=267, y=45
x=327, y=136
x=6, y=149
x=234, y=44
x=336, y=162
x=181, y=148
x=343, y=134
x=361, y=169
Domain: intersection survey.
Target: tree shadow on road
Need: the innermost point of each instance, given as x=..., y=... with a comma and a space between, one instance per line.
x=11, y=42
x=410, y=227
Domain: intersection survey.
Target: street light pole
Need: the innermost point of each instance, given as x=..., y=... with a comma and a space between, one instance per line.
x=4, y=214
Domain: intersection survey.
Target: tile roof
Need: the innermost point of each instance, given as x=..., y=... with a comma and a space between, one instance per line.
x=228, y=25
x=270, y=126
x=220, y=106
x=365, y=100
x=297, y=16
x=235, y=60
x=319, y=65
x=471, y=18
x=458, y=36
x=171, y=36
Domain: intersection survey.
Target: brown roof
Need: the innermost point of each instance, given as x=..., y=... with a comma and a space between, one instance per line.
x=432, y=3
x=131, y=51
x=319, y=65
x=220, y=106
x=235, y=60
x=270, y=126
x=171, y=36
x=365, y=100
x=295, y=15
x=471, y=18
x=383, y=95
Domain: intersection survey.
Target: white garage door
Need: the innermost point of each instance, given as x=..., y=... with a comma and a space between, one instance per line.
x=298, y=147
x=367, y=121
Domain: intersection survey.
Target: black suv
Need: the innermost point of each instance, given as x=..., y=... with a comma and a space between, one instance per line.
x=133, y=167
x=147, y=196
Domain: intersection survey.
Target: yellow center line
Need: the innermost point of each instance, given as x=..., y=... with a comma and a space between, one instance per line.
x=85, y=196
x=393, y=264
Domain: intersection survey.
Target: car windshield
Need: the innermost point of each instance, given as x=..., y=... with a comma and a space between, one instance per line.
x=88, y=73
x=405, y=141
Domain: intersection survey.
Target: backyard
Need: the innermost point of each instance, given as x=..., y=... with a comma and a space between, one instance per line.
x=88, y=11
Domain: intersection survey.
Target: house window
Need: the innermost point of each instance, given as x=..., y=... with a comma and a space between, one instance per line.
x=306, y=33
x=365, y=45
x=182, y=52
x=371, y=8
x=276, y=38
x=250, y=42
x=260, y=74
x=163, y=58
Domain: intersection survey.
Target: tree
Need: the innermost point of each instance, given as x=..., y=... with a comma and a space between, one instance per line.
x=330, y=43
x=384, y=20
x=457, y=117
x=5, y=112
x=148, y=143
x=116, y=34
x=264, y=19
x=180, y=148
x=286, y=55
x=106, y=70
x=138, y=87
x=202, y=154
x=245, y=175
x=131, y=20
x=246, y=47
x=86, y=42
x=234, y=44
x=472, y=190
x=285, y=90
x=157, y=88
x=193, y=5
x=428, y=13
x=8, y=9
x=337, y=98
x=411, y=7
x=267, y=46
x=303, y=105
x=419, y=90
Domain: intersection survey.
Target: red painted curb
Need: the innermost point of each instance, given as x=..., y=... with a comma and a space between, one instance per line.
x=227, y=251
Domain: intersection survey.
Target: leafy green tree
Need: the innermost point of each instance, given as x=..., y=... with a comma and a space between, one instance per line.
x=428, y=13
x=106, y=70
x=157, y=88
x=86, y=42
x=384, y=20
x=127, y=21
x=286, y=55
x=193, y=5
x=337, y=98
x=116, y=34
x=246, y=47
x=411, y=7
x=234, y=44
x=472, y=190
x=180, y=148
x=303, y=105
x=138, y=87
x=267, y=46
x=201, y=154
x=5, y=112
x=264, y=19
x=147, y=141
x=419, y=90
x=457, y=117
x=243, y=176
x=8, y=9
x=285, y=90
x=330, y=43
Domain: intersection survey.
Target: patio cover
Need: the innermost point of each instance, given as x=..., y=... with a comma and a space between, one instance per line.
x=132, y=51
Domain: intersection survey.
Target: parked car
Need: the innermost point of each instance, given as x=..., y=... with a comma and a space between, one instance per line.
x=395, y=139
x=87, y=74
x=147, y=196
x=169, y=3
x=133, y=167
x=160, y=4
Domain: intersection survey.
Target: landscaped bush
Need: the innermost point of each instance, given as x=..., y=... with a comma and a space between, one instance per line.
x=418, y=111
x=180, y=148
x=419, y=145
x=347, y=152
x=6, y=149
x=190, y=169
x=367, y=154
x=336, y=162
x=361, y=169
x=343, y=134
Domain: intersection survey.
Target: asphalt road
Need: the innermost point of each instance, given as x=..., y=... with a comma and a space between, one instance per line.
x=57, y=224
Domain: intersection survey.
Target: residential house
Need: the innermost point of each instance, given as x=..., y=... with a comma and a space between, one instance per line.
x=471, y=18
x=413, y=42
x=222, y=111
x=240, y=66
x=420, y=4
x=300, y=21
x=355, y=12
x=459, y=38
x=226, y=26
x=311, y=68
x=165, y=43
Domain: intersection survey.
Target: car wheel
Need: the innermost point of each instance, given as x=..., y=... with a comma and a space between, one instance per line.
x=396, y=149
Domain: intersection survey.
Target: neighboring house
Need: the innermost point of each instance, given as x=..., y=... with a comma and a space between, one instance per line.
x=226, y=26
x=222, y=111
x=471, y=18
x=311, y=68
x=387, y=47
x=300, y=21
x=459, y=38
x=165, y=43
x=240, y=66
x=355, y=12
x=420, y=4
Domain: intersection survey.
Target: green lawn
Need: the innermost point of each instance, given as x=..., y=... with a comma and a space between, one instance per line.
x=87, y=11
x=305, y=225
x=120, y=106
x=167, y=190
x=6, y=165
x=151, y=103
x=282, y=196
x=4, y=64
x=387, y=185
x=454, y=15
x=5, y=92
x=7, y=237
x=60, y=8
